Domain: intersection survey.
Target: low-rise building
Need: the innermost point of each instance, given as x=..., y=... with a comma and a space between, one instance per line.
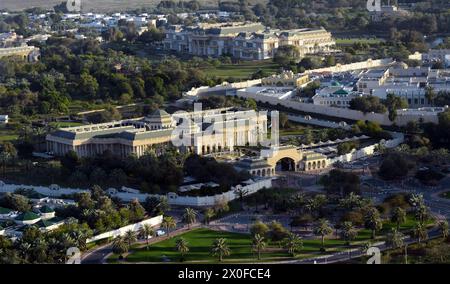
x=286, y=79
x=28, y=53
x=335, y=96
x=27, y=218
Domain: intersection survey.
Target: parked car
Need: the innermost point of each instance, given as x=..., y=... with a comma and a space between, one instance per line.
x=160, y=233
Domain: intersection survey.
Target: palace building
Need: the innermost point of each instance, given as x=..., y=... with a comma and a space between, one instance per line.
x=200, y=132
x=248, y=41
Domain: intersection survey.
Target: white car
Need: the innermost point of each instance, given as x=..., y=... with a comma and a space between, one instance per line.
x=160, y=233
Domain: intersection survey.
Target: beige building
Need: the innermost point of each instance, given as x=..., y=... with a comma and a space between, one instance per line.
x=250, y=41
x=286, y=79
x=285, y=158
x=201, y=132
x=28, y=53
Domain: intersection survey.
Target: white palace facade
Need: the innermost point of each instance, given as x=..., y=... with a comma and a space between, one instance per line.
x=200, y=132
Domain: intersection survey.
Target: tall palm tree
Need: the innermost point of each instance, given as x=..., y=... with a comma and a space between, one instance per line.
x=372, y=221
x=130, y=237
x=189, y=216
x=430, y=95
x=146, y=231
x=168, y=223
x=398, y=217
x=220, y=248
x=80, y=238
x=420, y=232
x=323, y=228
x=120, y=246
x=241, y=193
x=293, y=244
x=348, y=232
x=182, y=247
x=258, y=245
x=208, y=214
x=421, y=213
x=394, y=239
x=443, y=227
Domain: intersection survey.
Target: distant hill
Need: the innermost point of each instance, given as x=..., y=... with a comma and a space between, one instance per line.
x=87, y=5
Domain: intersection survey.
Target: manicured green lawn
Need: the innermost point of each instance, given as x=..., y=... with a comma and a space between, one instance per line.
x=408, y=225
x=61, y=124
x=7, y=134
x=200, y=241
x=350, y=41
x=242, y=70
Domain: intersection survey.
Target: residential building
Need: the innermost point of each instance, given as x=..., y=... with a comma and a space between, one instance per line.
x=335, y=96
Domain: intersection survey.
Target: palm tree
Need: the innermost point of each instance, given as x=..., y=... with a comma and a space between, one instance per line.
x=443, y=227
x=182, y=247
x=348, y=232
x=209, y=214
x=220, y=248
x=120, y=246
x=420, y=232
x=146, y=231
x=241, y=193
x=130, y=237
x=430, y=95
x=293, y=244
x=398, y=217
x=372, y=220
x=421, y=212
x=322, y=229
x=258, y=244
x=189, y=216
x=394, y=239
x=168, y=223
x=80, y=238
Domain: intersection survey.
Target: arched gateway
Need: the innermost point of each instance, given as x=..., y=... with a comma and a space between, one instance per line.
x=283, y=158
x=287, y=156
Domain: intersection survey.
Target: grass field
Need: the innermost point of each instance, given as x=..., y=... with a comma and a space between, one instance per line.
x=242, y=70
x=350, y=41
x=7, y=135
x=61, y=124
x=200, y=241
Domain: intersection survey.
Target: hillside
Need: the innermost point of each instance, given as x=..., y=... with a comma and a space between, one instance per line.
x=88, y=5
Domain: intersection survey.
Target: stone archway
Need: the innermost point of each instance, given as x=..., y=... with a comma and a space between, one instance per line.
x=275, y=154
x=285, y=164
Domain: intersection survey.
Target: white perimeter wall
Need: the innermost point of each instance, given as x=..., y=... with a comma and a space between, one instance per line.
x=155, y=221
x=128, y=196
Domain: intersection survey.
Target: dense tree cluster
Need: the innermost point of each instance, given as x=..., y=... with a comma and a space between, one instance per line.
x=82, y=70
x=367, y=104
x=150, y=173
x=341, y=182
x=395, y=166
x=101, y=212
x=205, y=169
